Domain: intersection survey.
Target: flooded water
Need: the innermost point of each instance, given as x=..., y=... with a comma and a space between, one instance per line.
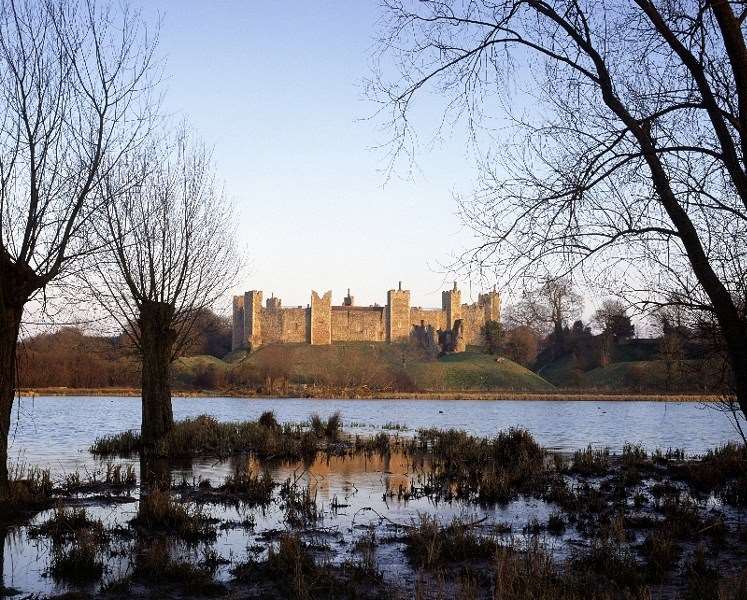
x=56, y=431
x=357, y=493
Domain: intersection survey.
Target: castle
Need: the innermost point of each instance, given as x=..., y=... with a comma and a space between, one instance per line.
x=322, y=323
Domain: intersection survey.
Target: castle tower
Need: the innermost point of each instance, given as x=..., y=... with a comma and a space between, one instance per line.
x=397, y=314
x=320, y=319
x=348, y=300
x=253, y=319
x=451, y=303
x=237, y=331
x=273, y=303
x=491, y=304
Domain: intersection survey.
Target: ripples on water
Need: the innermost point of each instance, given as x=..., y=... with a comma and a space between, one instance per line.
x=57, y=431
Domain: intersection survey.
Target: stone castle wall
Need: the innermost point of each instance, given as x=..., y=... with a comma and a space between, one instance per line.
x=322, y=323
x=359, y=323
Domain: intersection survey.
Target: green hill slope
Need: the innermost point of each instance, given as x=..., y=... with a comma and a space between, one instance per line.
x=476, y=371
x=379, y=366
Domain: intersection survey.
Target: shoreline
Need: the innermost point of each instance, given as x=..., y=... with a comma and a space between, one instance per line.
x=357, y=394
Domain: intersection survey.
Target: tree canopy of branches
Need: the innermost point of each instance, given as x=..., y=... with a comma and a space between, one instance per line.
x=171, y=254
x=613, y=320
x=629, y=157
x=75, y=88
x=547, y=309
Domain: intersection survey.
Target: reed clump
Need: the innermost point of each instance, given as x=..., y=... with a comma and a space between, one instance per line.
x=291, y=571
x=111, y=478
x=206, y=436
x=158, y=512
x=30, y=491
x=80, y=562
x=488, y=470
x=155, y=566
x=591, y=461
x=252, y=489
x=329, y=429
x=429, y=544
x=68, y=525
x=298, y=504
x=722, y=470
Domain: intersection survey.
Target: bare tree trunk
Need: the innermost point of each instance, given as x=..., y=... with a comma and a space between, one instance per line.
x=736, y=344
x=10, y=323
x=156, y=344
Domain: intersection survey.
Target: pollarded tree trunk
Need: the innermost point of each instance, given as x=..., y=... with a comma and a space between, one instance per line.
x=10, y=324
x=157, y=339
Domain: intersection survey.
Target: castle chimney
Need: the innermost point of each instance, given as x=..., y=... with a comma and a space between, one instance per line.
x=455, y=286
x=400, y=286
x=348, y=301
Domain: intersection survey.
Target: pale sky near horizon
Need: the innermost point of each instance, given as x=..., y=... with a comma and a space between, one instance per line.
x=276, y=89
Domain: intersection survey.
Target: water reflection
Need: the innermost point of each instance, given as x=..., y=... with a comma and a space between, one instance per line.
x=353, y=494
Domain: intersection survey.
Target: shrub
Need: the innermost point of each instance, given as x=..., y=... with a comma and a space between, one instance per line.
x=590, y=461
x=158, y=512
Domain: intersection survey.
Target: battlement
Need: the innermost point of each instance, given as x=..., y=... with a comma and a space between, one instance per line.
x=322, y=323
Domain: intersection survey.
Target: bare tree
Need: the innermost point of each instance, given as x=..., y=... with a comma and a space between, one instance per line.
x=631, y=156
x=75, y=83
x=171, y=254
x=548, y=309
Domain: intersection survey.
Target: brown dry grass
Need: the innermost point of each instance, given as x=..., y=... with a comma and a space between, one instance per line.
x=365, y=394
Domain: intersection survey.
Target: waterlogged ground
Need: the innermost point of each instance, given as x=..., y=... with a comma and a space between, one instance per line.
x=358, y=497
x=355, y=495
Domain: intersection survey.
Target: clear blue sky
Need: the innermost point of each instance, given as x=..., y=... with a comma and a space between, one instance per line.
x=276, y=89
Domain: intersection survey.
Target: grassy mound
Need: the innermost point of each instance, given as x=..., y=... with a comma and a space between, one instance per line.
x=476, y=371
x=198, y=371
x=386, y=367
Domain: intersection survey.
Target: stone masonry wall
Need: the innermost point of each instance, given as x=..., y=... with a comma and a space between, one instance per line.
x=237, y=330
x=253, y=318
x=398, y=315
x=451, y=303
x=296, y=324
x=322, y=323
x=321, y=318
x=472, y=322
x=272, y=326
x=358, y=324
x=435, y=317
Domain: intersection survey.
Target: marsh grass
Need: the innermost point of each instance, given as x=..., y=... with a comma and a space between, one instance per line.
x=722, y=470
x=68, y=525
x=488, y=470
x=252, y=489
x=79, y=562
x=291, y=571
x=590, y=461
x=298, y=504
x=329, y=429
x=30, y=491
x=381, y=444
x=155, y=566
x=429, y=544
x=206, y=436
x=158, y=512
x=662, y=551
x=111, y=478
